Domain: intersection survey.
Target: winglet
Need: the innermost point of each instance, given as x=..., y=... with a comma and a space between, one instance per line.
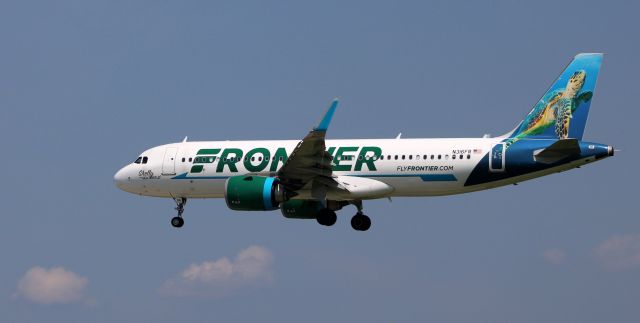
x=326, y=120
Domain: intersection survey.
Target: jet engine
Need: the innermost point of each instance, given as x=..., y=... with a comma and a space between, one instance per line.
x=254, y=193
x=301, y=209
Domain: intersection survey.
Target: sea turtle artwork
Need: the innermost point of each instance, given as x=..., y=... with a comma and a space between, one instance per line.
x=557, y=108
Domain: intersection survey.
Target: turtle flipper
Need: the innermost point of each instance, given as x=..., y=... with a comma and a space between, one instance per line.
x=584, y=97
x=581, y=98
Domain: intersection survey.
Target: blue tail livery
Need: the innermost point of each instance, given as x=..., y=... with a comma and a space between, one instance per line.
x=562, y=111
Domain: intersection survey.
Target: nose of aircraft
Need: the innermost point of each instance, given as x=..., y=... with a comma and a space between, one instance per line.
x=121, y=178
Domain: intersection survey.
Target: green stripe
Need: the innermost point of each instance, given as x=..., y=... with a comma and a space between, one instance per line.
x=208, y=151
x=197, y=168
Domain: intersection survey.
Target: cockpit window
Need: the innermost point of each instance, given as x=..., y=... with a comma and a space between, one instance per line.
x=138, y=160
x=145, y=159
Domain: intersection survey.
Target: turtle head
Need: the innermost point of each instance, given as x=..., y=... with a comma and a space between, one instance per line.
x=575, y=83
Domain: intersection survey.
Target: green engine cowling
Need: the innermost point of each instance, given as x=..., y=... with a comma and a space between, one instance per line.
x=301, y=209
x=253, y=193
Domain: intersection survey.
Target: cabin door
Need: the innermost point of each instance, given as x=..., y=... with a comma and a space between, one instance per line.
x=169, y=163
x=496, y=158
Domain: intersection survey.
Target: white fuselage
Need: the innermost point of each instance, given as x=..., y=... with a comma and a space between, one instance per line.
x=168, y=171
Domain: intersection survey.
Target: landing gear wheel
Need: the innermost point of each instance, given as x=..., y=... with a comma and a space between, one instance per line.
x=177, y=222
x=360, y=222
x=327, y=217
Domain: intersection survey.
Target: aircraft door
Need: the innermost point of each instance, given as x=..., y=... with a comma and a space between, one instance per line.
x=496, y=158
x=169, y=163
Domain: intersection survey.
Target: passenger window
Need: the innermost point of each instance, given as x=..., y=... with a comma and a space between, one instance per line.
x=439, y=156
x=359, y=157
x=432, y=156
x=145, y=159
x=453, y=156
x=395, y=157
x=388, y=157
x=190, y=159
x=183, y=159
x=260, y=158
x=410, y=157
x=138, y=160
x=446, y=157
x=253, y=159
x=424, y=157
x=381, y=157
x=468, y=156
x=461, y=156
x=402, y=157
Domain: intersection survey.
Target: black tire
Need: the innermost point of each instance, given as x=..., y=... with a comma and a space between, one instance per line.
x=327, y=217
x=366, y=224
x=177, y=222
x=360, y=222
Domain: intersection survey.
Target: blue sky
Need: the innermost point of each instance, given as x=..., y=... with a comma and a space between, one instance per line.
x=85, y=86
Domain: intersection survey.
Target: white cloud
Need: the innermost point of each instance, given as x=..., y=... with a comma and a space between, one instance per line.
x=218, y=278
x=554, y=256
x=619, y=252
x=51, y=286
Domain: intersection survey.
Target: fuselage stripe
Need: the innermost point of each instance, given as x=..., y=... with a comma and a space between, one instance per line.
x=424, y=177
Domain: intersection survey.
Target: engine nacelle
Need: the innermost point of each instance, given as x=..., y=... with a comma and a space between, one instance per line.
x=253, y=193
x=301, y=209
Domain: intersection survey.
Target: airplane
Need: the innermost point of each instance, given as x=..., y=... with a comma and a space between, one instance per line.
x=314, y=177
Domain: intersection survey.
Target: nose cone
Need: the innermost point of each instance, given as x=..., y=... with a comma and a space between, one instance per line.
x=121, y=178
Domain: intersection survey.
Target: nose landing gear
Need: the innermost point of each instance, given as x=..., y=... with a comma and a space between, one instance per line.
x=178, y=221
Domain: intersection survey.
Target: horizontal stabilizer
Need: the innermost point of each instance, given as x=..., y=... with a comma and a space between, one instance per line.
x=558, y=151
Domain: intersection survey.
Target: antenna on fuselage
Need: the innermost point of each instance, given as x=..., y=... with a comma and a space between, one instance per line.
x=185, y=138
x=399, y=136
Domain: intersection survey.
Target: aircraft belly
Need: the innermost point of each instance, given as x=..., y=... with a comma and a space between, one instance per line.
x=196, y=188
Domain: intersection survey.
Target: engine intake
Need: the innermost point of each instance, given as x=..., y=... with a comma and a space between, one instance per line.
x=254, y=193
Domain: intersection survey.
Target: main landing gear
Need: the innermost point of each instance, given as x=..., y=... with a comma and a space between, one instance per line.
x=178, y=221
x=359, y=222
x=327, y=217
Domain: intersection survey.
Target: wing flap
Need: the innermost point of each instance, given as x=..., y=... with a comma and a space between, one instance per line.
x=359, y=188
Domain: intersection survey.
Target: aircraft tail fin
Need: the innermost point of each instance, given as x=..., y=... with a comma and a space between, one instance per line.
x=562, y=111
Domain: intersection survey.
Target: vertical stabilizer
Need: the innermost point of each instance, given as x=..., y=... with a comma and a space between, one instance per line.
x=562, y=111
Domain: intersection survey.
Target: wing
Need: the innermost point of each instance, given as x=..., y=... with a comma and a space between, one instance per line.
x=310, y=161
